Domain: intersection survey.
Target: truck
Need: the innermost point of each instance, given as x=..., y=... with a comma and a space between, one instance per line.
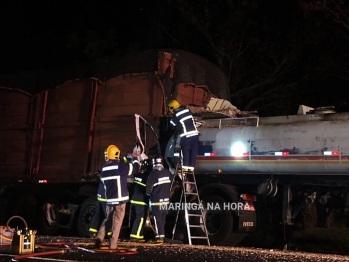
x=52, y=144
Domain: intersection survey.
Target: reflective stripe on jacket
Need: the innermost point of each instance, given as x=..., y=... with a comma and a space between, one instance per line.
x=184, y=120
x=139, y=196
x=114, y=176
x=159, y=186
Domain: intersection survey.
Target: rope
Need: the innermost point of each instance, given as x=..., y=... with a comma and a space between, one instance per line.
x=21, y=218
x=45, y=253
x=66, y=246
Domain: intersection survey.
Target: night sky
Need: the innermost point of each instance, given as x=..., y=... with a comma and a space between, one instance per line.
x=276, y=55
x=45, y=34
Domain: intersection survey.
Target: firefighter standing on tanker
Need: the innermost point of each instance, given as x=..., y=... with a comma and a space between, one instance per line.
x=189, y=135
x=140, y=200
x=114, y=177
x=158, y=188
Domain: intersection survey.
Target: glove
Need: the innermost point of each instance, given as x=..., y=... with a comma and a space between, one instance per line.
x=138, y=149
x=138, y=152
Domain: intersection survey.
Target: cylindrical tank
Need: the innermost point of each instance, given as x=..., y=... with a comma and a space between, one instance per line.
x=303, y=145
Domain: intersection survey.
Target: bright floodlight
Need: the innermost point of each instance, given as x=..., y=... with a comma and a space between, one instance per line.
x=238, y=149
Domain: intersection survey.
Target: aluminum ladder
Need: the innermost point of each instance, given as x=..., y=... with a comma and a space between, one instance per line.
x=193, y=211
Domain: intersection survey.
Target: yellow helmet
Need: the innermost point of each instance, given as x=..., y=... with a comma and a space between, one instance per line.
x=172, y=106
x=112, y=152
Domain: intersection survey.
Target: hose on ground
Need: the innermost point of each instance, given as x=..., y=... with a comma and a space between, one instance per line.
x=45, y=253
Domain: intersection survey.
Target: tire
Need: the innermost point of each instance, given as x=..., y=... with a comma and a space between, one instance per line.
x=48, y=216
x=87, y=211
x=219, y=223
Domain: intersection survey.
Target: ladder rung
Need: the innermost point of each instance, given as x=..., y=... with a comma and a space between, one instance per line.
x=187, y=193
x=199, y=237
x=195, y=215
x=193, y=210
x=189, y=183
x=195, y=225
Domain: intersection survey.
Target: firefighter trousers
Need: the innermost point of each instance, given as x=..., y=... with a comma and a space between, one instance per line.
x=189, y=147
x=159, y=220
x=138, y=223
x=116, y=214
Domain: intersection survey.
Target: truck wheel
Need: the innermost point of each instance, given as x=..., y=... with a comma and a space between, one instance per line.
x=234, y=239
x=48, y=224
x=219, y=223
x=87, y=210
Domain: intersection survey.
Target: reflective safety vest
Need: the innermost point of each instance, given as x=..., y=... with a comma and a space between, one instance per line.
x=159, y=186
x=114, y=177
x=184, y=120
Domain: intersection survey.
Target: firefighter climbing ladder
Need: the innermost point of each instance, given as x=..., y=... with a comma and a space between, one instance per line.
x=189, y=199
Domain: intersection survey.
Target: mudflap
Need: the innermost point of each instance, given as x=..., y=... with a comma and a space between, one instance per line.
x=247, y=221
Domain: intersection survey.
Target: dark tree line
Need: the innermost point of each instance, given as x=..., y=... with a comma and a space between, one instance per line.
x=276, y=54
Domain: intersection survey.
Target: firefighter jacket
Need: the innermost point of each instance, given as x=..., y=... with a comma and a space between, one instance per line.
x=184, y=120
x=114, y=177
x=159, y=186
x=139, y=196
x=101, y=191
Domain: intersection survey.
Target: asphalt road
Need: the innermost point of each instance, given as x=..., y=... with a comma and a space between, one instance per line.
x=166, y=252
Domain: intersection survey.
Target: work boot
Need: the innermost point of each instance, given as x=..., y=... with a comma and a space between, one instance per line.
x=157, y=241
x=185, y=169
x=98, y=243
x=137, y=240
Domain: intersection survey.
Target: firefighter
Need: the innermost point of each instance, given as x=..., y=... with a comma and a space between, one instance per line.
x=114, y=177
x=183, y=119
x=158, y=188
x=140, y=200
x=101, y=209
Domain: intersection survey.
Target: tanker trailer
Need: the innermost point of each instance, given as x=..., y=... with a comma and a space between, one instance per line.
x=279, y=164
